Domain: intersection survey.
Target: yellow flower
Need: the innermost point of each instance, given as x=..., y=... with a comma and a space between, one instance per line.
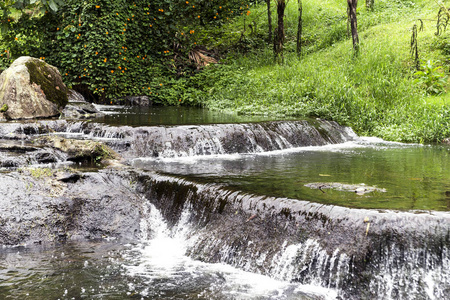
x=112, y=71
x=97, y=6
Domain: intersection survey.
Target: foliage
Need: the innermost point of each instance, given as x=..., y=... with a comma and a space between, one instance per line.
x=374, y=94
x=109, y=49
x=431, y=77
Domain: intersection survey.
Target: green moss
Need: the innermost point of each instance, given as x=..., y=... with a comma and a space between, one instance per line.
x=4, y=108
x=40, y=172
x=49, y=80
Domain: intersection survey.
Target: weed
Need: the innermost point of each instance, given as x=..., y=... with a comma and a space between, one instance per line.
x=41, y=172
x=431, y=78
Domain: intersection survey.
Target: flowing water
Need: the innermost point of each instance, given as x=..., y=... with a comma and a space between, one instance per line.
x=293, y=209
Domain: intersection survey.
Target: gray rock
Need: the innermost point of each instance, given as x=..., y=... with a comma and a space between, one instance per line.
x=359, y=189
x=78, y=108
x=137, y=101
x=30, y=88
x=40, y=207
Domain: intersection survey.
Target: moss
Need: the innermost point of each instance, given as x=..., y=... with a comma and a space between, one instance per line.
x=48, y=78
x=4, y=108
x=40, y=172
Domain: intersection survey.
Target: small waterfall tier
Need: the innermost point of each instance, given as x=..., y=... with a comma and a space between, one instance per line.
x=363, y=254
x=182, y=141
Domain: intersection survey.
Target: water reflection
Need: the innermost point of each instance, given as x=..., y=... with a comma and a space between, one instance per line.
x=169, y=115
x=415, y=177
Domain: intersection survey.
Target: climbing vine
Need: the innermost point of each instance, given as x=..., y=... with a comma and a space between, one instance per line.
x=109, y=49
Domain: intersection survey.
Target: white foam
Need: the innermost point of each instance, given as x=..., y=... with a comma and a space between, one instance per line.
x=163, y=257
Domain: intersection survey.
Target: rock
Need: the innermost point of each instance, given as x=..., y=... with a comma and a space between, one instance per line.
x=79, y=108
x=30, y=88
x=78, y=150
x=44, y=207
x=137, y=101
x=359, y=189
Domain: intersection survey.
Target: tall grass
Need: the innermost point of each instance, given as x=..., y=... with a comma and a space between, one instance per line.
x=374, y=93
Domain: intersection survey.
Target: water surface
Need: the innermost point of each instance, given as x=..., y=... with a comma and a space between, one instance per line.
x=170, y=115
x=415, y=177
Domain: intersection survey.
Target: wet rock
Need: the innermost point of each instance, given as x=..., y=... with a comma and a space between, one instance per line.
x=79, y=108
x=359, y=189
x=69, y=177
x=78, y=150
x=36, y=207
x=45, y=157
x=137, y=101
x=30, y=88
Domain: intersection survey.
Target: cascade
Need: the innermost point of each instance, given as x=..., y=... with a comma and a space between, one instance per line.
x=182, y=141
x=402, y=256
x=191, y=227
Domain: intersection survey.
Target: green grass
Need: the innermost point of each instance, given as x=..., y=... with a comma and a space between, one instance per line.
x=374, y=93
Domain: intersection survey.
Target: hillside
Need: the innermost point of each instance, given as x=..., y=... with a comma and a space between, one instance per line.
x=376, y=92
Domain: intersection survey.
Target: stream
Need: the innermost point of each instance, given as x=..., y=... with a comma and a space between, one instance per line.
x=204, y=205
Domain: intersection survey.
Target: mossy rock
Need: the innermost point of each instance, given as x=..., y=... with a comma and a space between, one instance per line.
x=31, y=89
x=50, y=81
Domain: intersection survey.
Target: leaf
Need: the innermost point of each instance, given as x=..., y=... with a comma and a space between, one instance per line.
x=53, y=6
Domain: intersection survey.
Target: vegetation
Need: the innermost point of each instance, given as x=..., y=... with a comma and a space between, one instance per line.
x=167, y=50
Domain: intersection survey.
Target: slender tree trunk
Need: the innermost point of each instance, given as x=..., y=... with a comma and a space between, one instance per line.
x=279, y=31
x=348, y=22
x=299, y=28
x=269, y=20
x=352, y=4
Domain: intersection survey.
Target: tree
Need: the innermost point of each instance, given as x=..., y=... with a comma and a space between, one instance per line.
x=278, y=41
x=269, y=20
x=352, y=4
x=299, y=28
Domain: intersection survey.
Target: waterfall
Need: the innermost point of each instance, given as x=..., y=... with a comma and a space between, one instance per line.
x=198, y=140
x=403, y=255
x=161, y=257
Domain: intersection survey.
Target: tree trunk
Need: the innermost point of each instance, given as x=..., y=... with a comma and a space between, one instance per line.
x=279, y=31
x=269, y=20
x=299, y=28
x=352, y=4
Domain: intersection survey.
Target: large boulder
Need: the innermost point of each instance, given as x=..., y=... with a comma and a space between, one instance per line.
x=30, y=88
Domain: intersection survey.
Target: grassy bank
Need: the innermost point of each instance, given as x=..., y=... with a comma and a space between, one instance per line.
x=375, y=93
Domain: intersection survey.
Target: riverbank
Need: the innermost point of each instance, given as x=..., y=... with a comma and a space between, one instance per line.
x=376, y=93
